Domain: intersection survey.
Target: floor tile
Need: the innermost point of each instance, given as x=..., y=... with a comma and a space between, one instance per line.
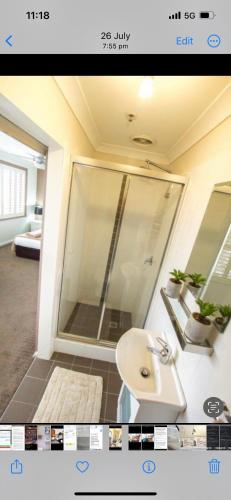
x=103, y=405
x=103, y=374
x=18, y=413
x=64, y=358
x=113, y=367
x=100, y=365
x=114, y=383
x=82, y=361
x=67, y=366
x=84, y=320
x=111, y=407
x=81, y=369
x=40, y=368
x=30, y=391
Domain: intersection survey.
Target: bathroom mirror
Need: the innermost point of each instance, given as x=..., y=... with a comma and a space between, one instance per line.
x=211, y=254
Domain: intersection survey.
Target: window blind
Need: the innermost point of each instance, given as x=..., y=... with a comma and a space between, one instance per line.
x=223, y=266
x=12, y=191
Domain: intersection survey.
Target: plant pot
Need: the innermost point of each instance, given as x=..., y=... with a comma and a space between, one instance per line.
x=197, y=331
x=221, y=323
x=173, y=288
x=194, y=289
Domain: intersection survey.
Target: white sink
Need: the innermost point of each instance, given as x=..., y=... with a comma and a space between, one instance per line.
x=160, y=395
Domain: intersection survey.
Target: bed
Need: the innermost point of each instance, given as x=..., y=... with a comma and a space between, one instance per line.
x=28, y=245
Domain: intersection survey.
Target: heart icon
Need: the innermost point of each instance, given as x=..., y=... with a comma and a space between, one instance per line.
x=82, y=466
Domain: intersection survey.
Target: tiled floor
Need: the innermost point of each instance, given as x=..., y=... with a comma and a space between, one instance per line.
x=29, y=393
x=85, y=320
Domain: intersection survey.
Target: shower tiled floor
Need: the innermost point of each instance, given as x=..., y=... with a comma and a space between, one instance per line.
x=85, y=320
x=26, y=399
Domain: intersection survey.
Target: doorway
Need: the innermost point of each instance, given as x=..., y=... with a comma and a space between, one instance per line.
x=22, y=185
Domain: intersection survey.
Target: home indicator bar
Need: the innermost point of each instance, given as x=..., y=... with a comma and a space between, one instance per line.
x=114, y=494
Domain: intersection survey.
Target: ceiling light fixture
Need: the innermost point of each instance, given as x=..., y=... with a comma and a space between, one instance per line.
x=146, y=87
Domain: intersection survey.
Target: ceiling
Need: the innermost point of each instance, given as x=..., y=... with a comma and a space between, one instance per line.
x=11, y=147
x=167, y=117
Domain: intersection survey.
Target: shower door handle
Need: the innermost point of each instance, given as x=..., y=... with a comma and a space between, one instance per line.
x=149, y=260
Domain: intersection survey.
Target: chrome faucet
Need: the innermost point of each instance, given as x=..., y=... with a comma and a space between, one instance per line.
x=164, y=353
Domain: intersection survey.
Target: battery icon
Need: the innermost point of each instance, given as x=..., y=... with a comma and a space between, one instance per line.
x=209, y=14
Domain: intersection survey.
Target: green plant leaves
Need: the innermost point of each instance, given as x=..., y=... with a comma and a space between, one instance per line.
x=206, y=308
x=178, y=275
x=197, y=279
x=224, y=310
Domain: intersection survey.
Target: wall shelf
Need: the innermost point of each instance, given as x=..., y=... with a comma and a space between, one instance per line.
x=178, y=313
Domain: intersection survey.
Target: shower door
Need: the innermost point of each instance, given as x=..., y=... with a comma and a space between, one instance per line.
x=118, y=228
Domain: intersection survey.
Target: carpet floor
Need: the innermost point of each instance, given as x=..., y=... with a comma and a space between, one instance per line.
x=18, y=304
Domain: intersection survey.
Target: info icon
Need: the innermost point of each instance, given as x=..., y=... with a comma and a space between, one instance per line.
x=213, y=407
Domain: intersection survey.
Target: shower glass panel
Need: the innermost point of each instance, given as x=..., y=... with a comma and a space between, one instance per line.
x=147, y=219
x=118, y=228
x=92, y=211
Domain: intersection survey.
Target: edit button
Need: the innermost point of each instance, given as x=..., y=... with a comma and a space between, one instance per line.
x=184, y=40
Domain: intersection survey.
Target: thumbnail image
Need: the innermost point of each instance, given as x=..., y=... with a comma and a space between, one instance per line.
x=193, y=436
x=5, y=437
x=134, y=437
x=57, y=437
x=44, y=437
x=147, y=439
x=225, y=437
x=173, y=437
x=70, y=438
x=31, y=437
x=83, y=437
x=161, y=437
x=213, y=437
x=96, y=437
x=115, y=437
x=18, y=437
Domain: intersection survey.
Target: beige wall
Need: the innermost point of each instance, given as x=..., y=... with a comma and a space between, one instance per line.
x=205, y=164
x=41, y=101
x=41, y=179
x=37, y=105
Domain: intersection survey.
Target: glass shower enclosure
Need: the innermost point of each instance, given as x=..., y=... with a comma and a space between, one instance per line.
x=118, y=227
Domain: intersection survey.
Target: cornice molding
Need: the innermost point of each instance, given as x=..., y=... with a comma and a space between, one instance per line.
x=218, y=110
x=72, y=91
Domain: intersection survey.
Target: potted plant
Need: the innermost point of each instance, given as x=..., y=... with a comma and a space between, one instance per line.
x=175, y=283
x=195, y=283
x=225, y=315
x=199, y=324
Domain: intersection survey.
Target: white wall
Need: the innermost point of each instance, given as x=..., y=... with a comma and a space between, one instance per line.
x=9, y=228
x=206, y=164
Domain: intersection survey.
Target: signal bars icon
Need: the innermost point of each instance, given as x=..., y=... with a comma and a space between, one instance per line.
x=177, y=15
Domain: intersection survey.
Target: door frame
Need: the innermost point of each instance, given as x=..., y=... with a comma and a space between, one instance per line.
x=128, y=170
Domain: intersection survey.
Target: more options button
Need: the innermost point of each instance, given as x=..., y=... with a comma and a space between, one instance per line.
x=184, y=41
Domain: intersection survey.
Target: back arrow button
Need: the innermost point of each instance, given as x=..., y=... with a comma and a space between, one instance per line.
x=8, y=40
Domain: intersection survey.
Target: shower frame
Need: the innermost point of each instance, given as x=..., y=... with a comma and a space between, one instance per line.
x=128, y=171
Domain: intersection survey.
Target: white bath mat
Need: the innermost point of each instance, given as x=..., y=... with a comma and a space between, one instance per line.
x=70, y=397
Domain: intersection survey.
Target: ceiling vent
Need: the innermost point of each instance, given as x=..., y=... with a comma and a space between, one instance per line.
x=142, y=140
